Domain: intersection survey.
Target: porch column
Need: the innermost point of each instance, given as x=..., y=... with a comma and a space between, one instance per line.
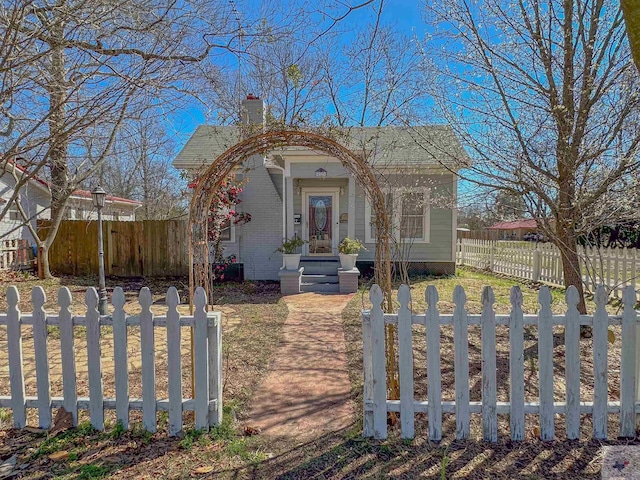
x=289, y=210
x=351, y=217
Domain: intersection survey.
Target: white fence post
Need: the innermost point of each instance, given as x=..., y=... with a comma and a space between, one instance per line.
x=215, y=369
x=14, y=346
x=405, y=354
x=492, y=253
x=434, y=372
x=489, y=381
x=201, y=360
x=572, y=363
x=174, y=360
x=600, y=359
x=367, y=418
x=378, y=364
x=461, y=364
x=516, y=366
x=628, y=365
x=38, y=300
x=147, y=354
x=536, y=265
x=94, y=360
x=545, y=364
x=67, y=352
x=121, y=356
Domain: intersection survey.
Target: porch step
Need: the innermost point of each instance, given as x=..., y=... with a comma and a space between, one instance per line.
x=320, y=265
x=319, y=278
x=319, y=287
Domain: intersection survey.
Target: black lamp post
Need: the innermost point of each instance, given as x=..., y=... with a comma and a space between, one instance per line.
x=99, y=196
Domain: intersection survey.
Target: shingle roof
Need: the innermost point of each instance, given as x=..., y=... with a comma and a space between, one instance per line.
x=514, y=225
x=419, y=145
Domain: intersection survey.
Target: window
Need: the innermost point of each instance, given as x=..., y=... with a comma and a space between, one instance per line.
x=13, y=213
x=412, y=224
x=225, y=231
x=409, y=214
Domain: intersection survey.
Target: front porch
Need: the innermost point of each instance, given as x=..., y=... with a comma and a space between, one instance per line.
x=319, y=274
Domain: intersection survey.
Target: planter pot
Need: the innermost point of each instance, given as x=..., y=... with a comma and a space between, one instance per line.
x=348, y=260
x=291, y=261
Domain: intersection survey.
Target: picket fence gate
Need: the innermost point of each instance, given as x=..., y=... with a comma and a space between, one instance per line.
x=207, y=403
x=376, y=404
x=615, y=268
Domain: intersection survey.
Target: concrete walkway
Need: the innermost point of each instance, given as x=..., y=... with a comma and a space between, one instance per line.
x=307, y=391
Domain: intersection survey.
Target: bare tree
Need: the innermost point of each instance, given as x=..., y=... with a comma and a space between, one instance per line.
x=139, y=168
x=544, y=95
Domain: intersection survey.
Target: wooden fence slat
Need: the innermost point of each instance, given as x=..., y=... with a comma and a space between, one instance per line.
x=201, y=361
x=121, y=357
x=378, y=364
x=38, y=299
x=174, y=369
x=434, y=373
x=405, y=354
x=215, y=370
x=600, y=359
x=461, y=364
x=572, y=363
x=628, y=365
x=545, y=362
x=516, y=366
x=94, y=359
x=147, y=349
x=67, y=352
x=489, y=381
x=14, y=347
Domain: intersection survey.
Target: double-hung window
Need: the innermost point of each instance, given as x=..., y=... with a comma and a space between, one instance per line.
x=409, y=214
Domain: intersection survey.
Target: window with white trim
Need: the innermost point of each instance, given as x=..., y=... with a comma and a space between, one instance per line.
x=409, y=214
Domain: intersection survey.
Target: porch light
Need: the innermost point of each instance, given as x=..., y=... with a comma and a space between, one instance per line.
x=321, y=173
x=98, y=195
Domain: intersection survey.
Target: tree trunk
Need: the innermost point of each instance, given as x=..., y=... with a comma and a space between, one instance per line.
x=44, y=271
x=631, y=11
x=567, y=242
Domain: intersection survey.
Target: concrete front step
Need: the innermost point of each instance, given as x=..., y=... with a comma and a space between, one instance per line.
x=320, y=287
x=320, y=265
x=319, y=278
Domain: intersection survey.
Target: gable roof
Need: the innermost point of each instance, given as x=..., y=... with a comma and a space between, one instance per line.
x=431, y=145
x=82, y=195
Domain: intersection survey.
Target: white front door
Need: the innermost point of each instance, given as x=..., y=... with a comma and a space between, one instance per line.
x=320, y=222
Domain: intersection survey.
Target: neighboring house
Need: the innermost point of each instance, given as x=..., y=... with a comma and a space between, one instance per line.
x=35, y=198
x=523, y=229
x=300, y=192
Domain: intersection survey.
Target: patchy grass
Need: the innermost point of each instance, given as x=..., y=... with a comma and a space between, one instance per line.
x=253, y=315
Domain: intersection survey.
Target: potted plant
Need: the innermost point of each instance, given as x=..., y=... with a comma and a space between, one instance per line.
x=348, y=250
x=288, y=250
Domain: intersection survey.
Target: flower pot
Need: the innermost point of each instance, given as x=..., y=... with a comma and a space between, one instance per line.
x=348, y=260
x=291, y=261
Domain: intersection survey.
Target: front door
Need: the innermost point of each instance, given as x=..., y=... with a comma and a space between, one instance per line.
x=321, y=225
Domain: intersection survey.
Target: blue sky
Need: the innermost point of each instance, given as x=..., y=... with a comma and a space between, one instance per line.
x=404, y=15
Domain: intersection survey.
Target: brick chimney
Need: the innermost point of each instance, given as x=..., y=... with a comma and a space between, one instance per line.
x=253, y=111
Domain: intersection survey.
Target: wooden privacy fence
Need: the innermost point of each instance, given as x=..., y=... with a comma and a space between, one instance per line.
x=613, y=267
x=207, y=352
x=376, y=404
x=15, y=254
x=131, y=249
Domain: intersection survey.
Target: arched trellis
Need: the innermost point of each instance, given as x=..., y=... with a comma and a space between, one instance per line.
x=211, y=180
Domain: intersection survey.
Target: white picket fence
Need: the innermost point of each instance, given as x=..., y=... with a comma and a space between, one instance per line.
x=615, y=268
x=376, y=403
x=207, y=403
